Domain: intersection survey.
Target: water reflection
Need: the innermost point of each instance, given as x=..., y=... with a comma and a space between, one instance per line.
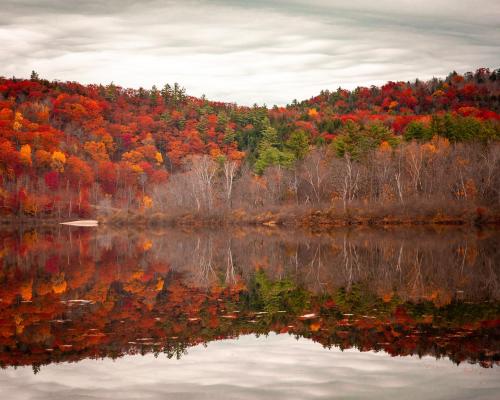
x=69, y=294
x=273, y=367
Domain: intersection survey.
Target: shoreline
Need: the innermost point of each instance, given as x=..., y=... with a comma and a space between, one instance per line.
x=313, y=220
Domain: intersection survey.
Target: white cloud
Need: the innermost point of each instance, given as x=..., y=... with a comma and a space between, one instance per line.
x=265, y=52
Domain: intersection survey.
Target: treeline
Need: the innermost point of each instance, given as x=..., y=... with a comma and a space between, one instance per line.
x=69, y=150
x=477, y=89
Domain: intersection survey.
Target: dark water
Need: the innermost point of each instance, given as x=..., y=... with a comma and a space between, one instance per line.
x=364, y=313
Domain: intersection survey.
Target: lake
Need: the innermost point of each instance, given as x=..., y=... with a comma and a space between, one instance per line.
x=92, y=313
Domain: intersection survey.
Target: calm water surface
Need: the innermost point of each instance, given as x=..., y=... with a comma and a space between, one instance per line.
x=245, y=314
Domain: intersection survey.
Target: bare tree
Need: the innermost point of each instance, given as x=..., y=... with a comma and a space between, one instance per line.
x=203, y=170
x=350, y=182
x=315, y=169
x=230, y=169
x=414, y=163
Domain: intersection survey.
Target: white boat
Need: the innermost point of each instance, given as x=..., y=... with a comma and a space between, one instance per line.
x=82, y=222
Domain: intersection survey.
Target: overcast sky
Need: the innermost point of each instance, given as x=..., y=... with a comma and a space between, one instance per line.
x=251, y=51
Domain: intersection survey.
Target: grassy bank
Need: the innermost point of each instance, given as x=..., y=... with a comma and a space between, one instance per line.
x=293, y=217
x=312, y=219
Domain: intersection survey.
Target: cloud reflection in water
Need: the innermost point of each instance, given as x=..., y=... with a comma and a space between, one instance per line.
x=276, y=367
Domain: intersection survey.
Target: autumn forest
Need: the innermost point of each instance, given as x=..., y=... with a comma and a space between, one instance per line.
x=421, y=150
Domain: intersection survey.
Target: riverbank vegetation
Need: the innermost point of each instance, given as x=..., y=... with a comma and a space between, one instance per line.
x=403, y=152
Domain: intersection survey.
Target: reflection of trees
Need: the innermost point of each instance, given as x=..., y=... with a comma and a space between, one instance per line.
x=415, y=284
x=350, y=260
x=204, y=253
x=414, y=263
x=187, y=316
x=230, y=278
x=314, y=269
x=106, y=293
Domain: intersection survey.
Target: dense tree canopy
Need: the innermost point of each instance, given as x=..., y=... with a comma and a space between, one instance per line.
x=65, y=147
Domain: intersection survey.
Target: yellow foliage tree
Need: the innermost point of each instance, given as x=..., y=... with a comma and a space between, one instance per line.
x=96, y=150
x=18, y=122
x=313, y=113
x=159, y=158
x=136, y=169
x=133, y=157
x=25, y=154
x=58, y=160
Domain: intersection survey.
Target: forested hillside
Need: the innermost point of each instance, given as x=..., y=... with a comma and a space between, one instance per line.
x=72, y=150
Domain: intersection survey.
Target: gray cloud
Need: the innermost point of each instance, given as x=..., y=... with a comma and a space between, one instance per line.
x=248, y=51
